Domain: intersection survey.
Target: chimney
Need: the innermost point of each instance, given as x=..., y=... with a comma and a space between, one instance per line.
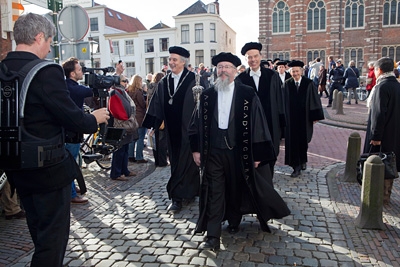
x=217, y=6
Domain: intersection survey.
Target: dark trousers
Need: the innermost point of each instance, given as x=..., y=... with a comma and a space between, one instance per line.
x=224, y=190
x=332, y=87
x=161, y=154
x=48, y=219
x=119, y=163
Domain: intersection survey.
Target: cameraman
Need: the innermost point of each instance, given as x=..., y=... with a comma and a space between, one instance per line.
x=73, y=73
x=45, y=191
x=336, y=80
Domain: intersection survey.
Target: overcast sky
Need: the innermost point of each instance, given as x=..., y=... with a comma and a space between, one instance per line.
x=241, y=16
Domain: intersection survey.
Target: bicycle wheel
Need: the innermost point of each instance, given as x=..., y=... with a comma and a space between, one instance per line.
x=362, y=95
x=105, y=162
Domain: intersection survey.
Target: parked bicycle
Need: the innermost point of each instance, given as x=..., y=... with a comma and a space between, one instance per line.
x=99, y=148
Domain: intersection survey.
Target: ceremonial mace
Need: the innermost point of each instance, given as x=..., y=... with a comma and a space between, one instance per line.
x=197, y=90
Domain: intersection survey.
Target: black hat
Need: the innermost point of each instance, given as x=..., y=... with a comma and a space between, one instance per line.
x=249, y=46
x=226, y=57
x=281, y=63
x=179, y=50
x=276, y=59
x=296, y=63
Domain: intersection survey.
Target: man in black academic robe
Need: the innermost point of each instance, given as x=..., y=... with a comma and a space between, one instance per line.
x=303, y=109
x=266, y=84
x=231, y=143
x=173, y=103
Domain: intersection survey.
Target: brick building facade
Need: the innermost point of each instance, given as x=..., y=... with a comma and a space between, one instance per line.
x=356, y=30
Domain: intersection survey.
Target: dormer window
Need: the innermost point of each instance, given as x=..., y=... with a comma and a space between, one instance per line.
x=119, y=17
x=110, y=13
x=211, y=8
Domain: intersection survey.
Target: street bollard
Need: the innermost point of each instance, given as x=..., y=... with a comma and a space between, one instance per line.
x=353, y=154
x=334, y=101
x=339, y=104
x=370, y=216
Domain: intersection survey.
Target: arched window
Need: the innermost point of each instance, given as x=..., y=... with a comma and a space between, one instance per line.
x=354, y=14
x=313, y=54
x=355, y=54
x=316, y=16
x=281, y=18
x=391, y=12
x=391, y=51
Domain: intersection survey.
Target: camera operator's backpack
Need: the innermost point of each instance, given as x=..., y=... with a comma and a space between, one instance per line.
x=19, y=149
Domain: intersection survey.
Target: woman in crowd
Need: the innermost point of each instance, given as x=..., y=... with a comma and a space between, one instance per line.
x=137, y=90
x=351, y=75
x=121, y=107
x=160, y=136
x=322, y=75
x=371, y=79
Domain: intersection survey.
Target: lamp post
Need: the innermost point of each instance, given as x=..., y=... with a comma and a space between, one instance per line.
x=360, y=66
x=93, y=46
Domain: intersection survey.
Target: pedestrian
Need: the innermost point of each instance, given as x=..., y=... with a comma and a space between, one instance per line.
x=351, y=75
x=233, y=155
x=73, y=73
x=384, y=117
x=335, y=80
x=303, y=109
x=173, y=104
x=281, y=69
x=121, y=107
x=137, y=92
x=371, y=79
x=266, y=83
x=45, y=192
x=322, y=76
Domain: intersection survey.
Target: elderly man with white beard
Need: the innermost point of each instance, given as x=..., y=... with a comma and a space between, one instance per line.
x=231, y=144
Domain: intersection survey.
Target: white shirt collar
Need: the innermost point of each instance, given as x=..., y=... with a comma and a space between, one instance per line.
x=257, y=72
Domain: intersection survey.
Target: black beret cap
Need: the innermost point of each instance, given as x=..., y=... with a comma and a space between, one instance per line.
x=276, y=59
x=296, y=63
x=226, y=57
x=179, y=50
x=249, y=46
x=281, y=63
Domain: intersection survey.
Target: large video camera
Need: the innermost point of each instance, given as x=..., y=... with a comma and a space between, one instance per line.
x=100, y=83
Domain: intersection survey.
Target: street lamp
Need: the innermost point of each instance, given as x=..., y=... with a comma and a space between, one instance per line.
x=93, y=47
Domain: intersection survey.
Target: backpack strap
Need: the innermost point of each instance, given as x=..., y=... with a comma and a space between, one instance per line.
x=27, y=73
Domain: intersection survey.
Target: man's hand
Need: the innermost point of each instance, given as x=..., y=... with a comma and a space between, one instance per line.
x=256, y=163
x=196, y=158
x=101, y=114
x=375, y=143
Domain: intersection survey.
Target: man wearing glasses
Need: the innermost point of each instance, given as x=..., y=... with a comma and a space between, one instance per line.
x=230, y=140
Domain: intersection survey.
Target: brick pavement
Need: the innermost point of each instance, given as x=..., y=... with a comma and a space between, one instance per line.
x=127, y=225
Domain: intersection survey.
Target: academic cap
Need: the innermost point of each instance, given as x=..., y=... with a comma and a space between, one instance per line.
x=226, y=57
x=179, y=51
x=249, y=46
x=296, y=63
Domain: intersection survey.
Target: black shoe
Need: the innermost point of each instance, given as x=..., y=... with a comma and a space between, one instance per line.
x=295, y=173
x=232, y=229
x=329, y=105
x=212, y=243
x=304, y=166
x=348, y=103
x=175, y=206
x=356, y=102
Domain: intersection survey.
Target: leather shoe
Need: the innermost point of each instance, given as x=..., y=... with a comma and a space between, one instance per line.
x=141, y=161
x=79, y=200
x=19, y=215
x=304, y=166
x=232, y=229
x=131, y=173
x=329, y=105
x=295, y=173
x=120, y=178
x=175, y=207
x=212, y=243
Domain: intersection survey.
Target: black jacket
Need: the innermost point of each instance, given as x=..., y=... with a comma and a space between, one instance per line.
x=48, y=110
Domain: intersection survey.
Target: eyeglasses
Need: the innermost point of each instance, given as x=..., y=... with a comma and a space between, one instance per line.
x=125, y=81
x=225, y=67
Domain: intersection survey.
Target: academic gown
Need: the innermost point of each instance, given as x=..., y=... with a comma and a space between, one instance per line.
x=184, y=182
x=303, y=107
x=254, y=143
x=270, y=94
x=384, y=118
